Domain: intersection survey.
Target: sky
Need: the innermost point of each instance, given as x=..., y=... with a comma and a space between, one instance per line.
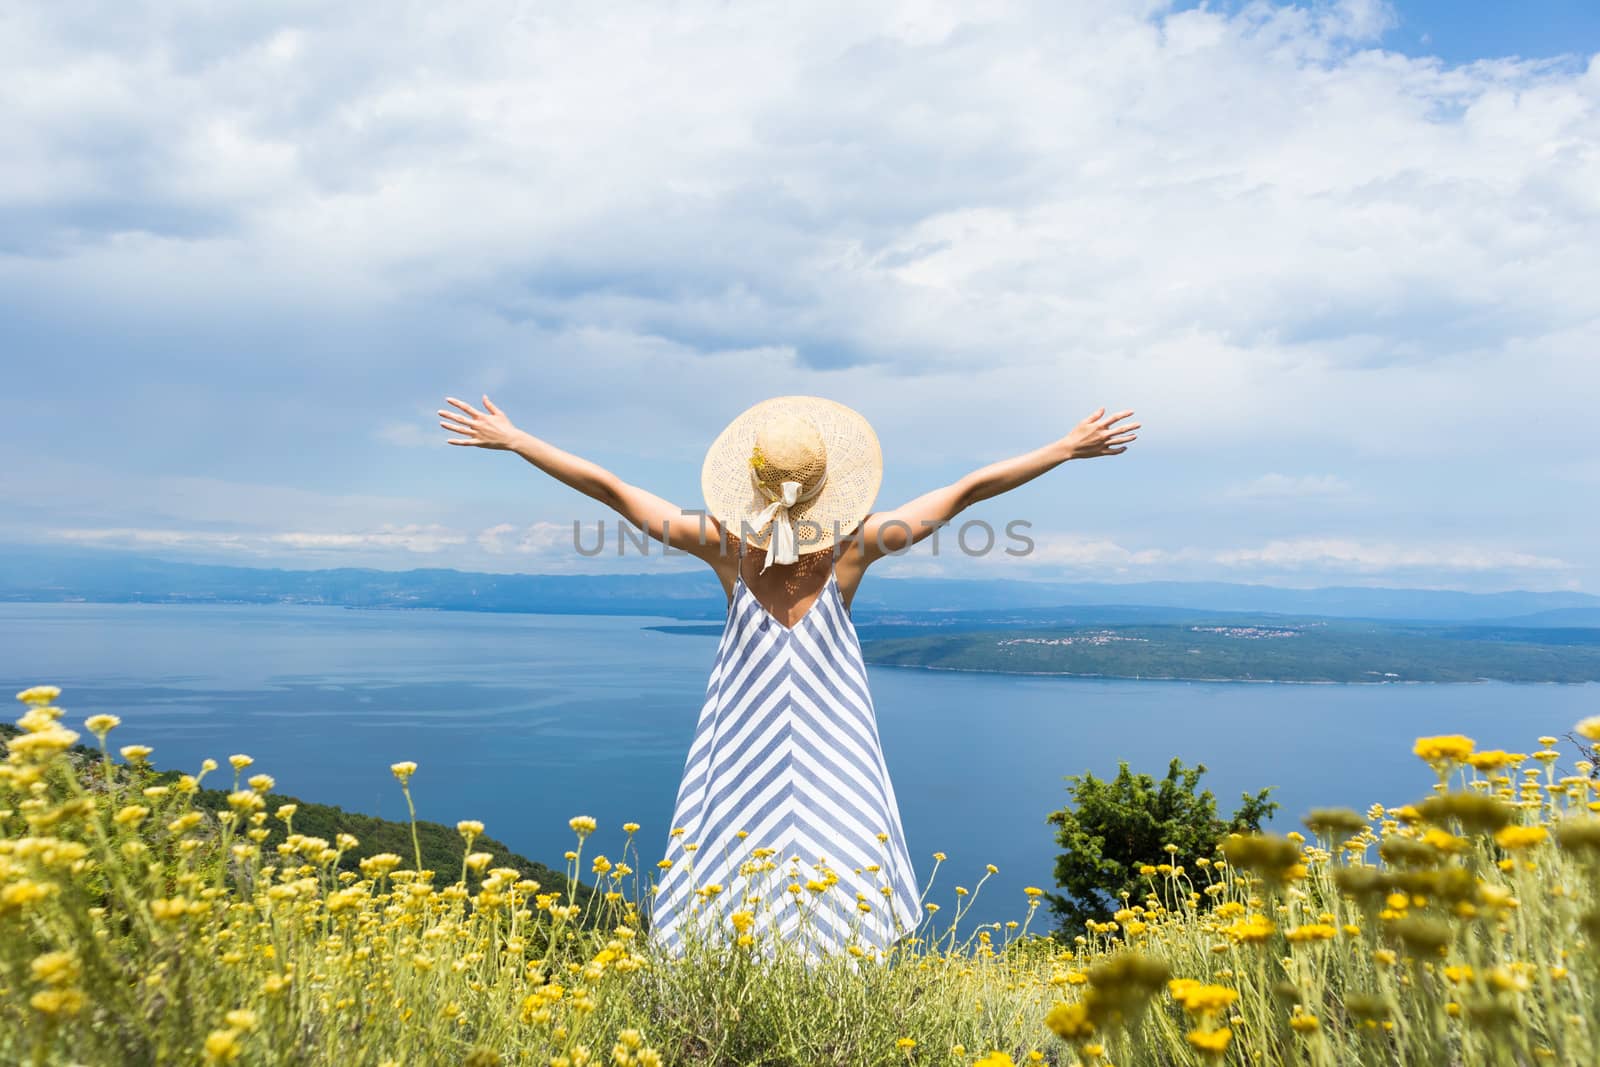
x=1339, y=257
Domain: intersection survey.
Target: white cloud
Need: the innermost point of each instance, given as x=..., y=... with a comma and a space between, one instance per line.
x=549, y=547
x=490, y=539
x=1373, y=557
x=548, y=539
x=1328, y=553
x=1273, y=485
x=422, y=540
x=1069, y=556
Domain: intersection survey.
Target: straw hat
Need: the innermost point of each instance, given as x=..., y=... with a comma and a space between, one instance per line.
x=793, y=474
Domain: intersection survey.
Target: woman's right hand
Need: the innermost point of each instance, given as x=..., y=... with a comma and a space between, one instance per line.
x=484, y=429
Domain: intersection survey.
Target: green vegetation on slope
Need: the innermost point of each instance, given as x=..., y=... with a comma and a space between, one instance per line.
x=442, y=846
x=1318, y=652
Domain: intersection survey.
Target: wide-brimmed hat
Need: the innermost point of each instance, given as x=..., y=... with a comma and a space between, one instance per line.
x=793, y=474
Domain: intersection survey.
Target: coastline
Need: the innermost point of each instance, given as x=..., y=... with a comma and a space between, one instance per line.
x=681, y=626
x=1156, y=678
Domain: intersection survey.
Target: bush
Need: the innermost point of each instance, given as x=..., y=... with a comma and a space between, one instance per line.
x=1132, y=821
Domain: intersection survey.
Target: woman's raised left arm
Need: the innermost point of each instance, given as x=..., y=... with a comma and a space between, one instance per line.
x=886, y=532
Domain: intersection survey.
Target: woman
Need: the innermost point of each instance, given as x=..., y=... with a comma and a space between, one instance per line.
x=785, y=817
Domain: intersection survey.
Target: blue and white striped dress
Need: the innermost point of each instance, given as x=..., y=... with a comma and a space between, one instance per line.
x=787, y=752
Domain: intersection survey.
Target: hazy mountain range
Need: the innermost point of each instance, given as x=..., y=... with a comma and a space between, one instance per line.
x=29, y=573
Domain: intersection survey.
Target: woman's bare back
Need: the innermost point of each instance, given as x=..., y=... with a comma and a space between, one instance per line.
x=787, y=591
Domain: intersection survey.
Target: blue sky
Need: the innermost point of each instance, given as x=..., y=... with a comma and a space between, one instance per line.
x=1462, y=31
x=1339, y=257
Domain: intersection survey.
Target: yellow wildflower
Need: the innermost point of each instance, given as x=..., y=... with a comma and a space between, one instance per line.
x=1311, y=932
x=1444, y=841
x=1489, y=760
x=1070, y=1021
x=995, y=1059
x=242, y=1019
x=1198, y=999
x=1520, y=837
x=1212, y=1042
x=55, y=968
x=1250, y=930
x=100, y=725
x=169, y=908
x=222, y=1046
x=42, y=745
x=1445, y=748
x=132, y=815
x=57, y=1002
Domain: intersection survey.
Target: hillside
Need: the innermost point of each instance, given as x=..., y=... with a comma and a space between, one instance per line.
x=442, y=846
x=1294, y=651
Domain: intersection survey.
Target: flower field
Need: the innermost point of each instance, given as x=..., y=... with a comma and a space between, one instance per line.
x=137, y=928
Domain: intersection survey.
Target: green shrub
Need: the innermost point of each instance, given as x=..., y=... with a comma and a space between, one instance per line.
x=1130, y=821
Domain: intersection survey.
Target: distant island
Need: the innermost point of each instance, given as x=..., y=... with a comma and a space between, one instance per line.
x=1322, y=651
x=1103, y=643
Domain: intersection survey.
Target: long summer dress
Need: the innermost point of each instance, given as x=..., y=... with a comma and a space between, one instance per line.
x=785, y=810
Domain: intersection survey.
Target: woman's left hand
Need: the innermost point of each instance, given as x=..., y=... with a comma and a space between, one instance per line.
x=1094, y=437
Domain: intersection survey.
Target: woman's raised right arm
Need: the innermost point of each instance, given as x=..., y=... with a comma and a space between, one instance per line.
x=686, y=531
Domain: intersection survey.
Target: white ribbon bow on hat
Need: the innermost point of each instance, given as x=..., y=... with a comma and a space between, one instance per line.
x=781, y=547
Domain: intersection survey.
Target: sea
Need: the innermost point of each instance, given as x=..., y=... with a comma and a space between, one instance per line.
x=523, y=721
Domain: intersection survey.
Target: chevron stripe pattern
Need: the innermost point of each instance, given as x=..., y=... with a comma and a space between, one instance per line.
x=785, y=809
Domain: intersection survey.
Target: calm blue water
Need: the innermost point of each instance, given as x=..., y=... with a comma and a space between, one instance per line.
x=526, y=720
